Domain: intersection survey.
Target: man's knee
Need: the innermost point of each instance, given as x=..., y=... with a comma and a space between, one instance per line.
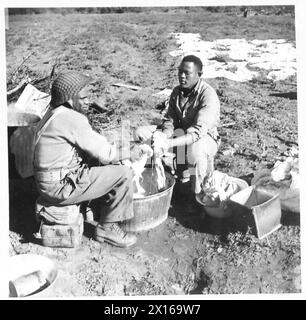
x=196, y=153
x=203, y=149
x=194, y=156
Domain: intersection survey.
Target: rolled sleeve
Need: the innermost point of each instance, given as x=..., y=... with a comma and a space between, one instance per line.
x=170, y=120
x=196, y=132
x=168, y=127
x=207, y=117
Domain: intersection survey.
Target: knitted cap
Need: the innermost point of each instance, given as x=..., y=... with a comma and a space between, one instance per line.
x=66, y=86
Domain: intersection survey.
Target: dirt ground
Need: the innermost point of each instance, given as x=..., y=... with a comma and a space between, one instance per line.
x=189, y=253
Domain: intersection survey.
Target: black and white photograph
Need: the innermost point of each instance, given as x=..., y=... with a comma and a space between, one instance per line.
x=152, y=151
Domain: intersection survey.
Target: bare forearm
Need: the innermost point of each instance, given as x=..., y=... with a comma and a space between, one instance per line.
x=184, y=140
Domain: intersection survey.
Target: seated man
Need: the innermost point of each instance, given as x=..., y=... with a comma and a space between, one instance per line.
x=62, y=175
x=191, y=120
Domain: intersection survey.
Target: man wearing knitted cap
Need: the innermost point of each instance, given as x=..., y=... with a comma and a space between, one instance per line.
x=62, y=175
x=190, y=125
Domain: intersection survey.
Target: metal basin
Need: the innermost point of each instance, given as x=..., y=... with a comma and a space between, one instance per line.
x=220, y=212
x=151, y=210
x=31, y=275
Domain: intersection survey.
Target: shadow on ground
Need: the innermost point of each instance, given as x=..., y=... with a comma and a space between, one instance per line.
x=187, y=212
x=287, y=95
x=193, y=216
x=22, y=197
x=290, y=218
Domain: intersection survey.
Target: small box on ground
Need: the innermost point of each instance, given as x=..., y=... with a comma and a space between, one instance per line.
x=257, y=209
x=63, y=236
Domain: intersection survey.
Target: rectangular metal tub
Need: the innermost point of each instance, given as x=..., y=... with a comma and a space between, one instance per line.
x=257, y=209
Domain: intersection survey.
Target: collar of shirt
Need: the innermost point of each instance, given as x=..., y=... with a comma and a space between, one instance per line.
x=184, y=96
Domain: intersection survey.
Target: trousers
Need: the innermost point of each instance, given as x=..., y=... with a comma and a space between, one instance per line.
x=108, y=189
x=194, y=161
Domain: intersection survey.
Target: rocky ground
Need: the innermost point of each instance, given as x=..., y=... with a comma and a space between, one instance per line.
x=189, y=253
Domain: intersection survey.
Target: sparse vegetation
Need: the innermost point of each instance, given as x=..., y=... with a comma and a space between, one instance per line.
x=132, y=45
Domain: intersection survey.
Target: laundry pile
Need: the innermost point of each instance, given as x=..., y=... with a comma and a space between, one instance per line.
x=218, y=187
x=283, y=179
x=140, y=154
x=160, y=172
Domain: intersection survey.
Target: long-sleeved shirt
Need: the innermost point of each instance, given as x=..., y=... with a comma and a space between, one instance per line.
x=200, y=115
x=65, y=138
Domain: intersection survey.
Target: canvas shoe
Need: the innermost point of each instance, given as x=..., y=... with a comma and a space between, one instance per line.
x=113, y=234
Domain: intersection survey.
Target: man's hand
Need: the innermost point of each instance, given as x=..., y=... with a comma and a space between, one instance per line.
x=139, y=157
x=139, y=151
x=143, y=133
x=158, y=135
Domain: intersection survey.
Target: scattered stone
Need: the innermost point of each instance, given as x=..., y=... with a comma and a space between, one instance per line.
x=219, y=250
x=297, y=269
x=178, y=290
x=244, y=60
x=297, y=282
x=228, y=152
x=166, y=92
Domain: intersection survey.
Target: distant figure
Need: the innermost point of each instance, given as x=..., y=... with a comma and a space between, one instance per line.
x=245, y=13
x=190, y=125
